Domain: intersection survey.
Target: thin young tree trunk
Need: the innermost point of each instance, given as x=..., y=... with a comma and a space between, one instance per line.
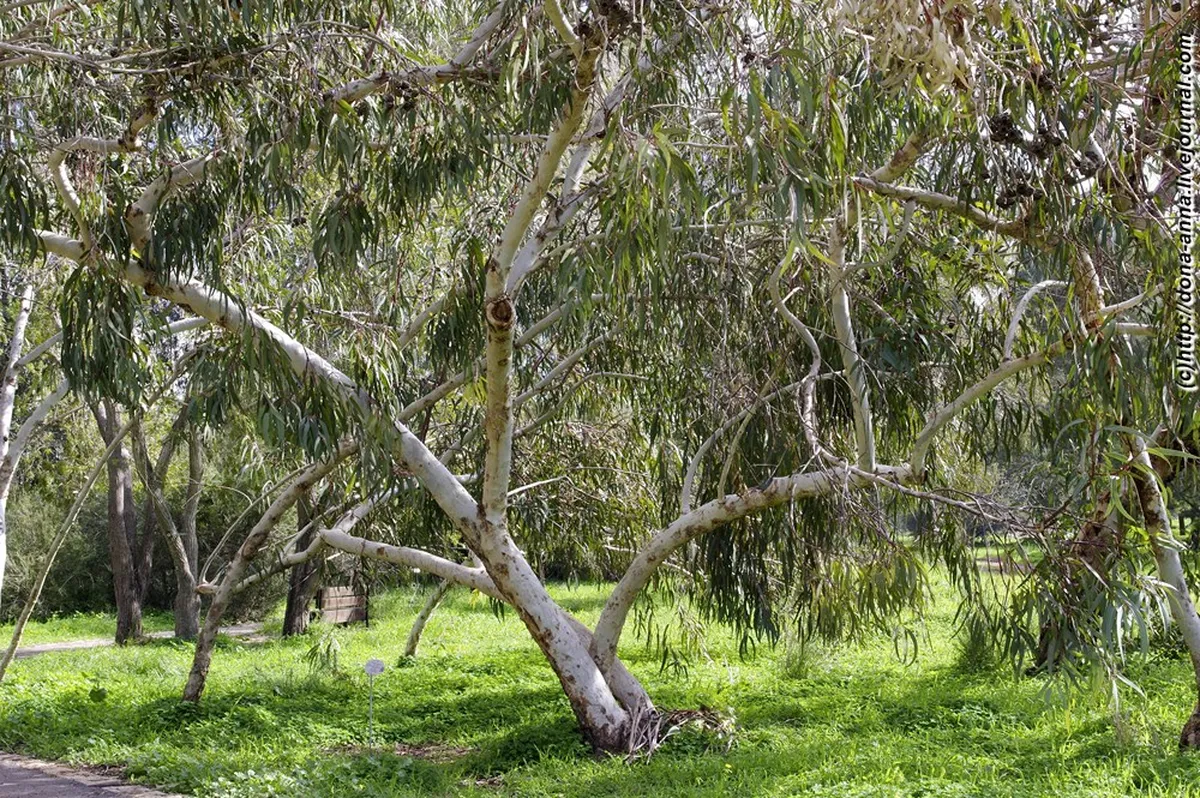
x=245, y=554
x=121, y=516
x=187, y=600
x=1157, y=520
x=418, y=627
x=8, y=465
x=303, y=579
x=8, y=393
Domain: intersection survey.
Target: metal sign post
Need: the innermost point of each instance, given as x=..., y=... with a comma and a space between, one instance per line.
x=373, y=667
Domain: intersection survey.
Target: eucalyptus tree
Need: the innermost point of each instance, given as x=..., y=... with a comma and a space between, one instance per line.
x=435, y=234
x=13, y=443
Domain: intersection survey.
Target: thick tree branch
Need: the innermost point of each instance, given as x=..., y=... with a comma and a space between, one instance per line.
x=708, y=517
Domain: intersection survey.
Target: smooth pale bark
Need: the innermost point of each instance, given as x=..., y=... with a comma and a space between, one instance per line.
x=942, y=202
x=853, y=366
x=187, y=599
x=241, y=561
x=1015, y=325
x=8, y=394
x=689, y=477
x=12, y=458
x=706, y=518
x=627, y=689
x=1170, y=569
x=601, y=717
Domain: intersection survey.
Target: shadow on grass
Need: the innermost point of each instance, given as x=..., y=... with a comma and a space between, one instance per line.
x=938, y=732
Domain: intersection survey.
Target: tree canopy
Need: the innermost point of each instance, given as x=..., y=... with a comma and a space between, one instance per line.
x=728, y=286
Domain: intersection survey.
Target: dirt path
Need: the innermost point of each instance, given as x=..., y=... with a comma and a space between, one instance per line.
x=22, y=777
x=247, y=631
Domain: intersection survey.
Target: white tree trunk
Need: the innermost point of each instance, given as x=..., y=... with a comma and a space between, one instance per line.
x=1170, y=572
x=8, y=393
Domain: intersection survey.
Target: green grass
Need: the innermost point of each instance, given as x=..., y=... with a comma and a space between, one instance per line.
x=850, y=722
x=81, y=626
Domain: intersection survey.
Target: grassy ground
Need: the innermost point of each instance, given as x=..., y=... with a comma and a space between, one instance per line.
x=479, y=713
x=81, y=626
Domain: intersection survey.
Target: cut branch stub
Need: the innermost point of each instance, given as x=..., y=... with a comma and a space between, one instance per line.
x=500, y=313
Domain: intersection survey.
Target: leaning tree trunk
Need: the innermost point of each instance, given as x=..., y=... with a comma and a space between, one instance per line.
x=418, y=627
x=245, y=554
x=302, y=582
x=122, y=527
x=1170, y=568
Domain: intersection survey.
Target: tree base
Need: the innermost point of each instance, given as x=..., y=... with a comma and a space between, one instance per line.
x=1189, y=740
x=650, y=728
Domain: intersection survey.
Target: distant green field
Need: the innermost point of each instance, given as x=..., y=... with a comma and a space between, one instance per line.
x=480, y=713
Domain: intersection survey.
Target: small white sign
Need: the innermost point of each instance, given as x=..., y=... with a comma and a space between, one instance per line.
x=374, y=667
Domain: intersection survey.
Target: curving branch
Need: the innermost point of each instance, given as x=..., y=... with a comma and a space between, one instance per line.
x=572, y=198
x=129, y=141
x=554, y=12
x=474, y=578
x=173, y=328
x=708, y=517
x=140, y=215
x=947, y=412
x=1015, y=325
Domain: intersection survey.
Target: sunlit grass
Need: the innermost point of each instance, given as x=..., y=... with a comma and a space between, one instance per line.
x=80, y=626
x=479, y=712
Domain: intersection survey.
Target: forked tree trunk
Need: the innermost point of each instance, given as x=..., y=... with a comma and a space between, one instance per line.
x=601, y=716
x=302, y=582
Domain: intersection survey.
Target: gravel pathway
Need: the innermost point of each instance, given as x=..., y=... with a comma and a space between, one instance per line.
x=242, y=630
x=22, y=777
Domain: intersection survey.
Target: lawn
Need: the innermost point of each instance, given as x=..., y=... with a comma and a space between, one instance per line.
x=81, y=626
x=479, y=713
